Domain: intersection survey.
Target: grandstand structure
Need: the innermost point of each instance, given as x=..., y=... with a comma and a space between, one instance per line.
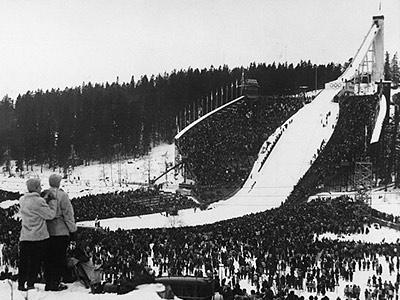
x=364, y=75
x=208, y=104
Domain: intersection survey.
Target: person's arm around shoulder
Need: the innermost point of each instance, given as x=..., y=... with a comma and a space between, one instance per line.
x=47, y=210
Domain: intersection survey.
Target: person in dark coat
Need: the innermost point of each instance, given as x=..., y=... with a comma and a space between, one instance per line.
x=61, y=229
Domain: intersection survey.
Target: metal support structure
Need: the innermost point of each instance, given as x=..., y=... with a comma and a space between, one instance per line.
x=366, y=68
x=363, y=180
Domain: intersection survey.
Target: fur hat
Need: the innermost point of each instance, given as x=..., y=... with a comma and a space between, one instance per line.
x=33, y=185
x=54, y=180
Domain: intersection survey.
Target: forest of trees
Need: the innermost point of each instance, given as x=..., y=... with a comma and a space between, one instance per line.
x=392, y=70
x=111, y=120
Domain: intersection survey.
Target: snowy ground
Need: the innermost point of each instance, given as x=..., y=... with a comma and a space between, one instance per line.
x=101, y=178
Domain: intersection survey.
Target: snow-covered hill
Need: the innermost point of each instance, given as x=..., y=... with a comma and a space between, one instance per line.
x=100, y=178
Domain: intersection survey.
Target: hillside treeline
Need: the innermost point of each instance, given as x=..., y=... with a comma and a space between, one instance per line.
x=107, y=121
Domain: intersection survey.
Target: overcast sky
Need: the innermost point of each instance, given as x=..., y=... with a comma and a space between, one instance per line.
x=48, y=44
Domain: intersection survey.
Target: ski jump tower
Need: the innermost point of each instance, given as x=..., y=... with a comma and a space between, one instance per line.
x=365, y=76
x=268, y=179
x=366, y=68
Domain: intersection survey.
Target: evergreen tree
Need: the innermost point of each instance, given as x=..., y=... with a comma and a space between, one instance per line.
x=387, y=68
x=394, y=69
x=6, y=128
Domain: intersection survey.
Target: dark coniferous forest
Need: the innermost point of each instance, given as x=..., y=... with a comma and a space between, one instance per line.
x=118, y=120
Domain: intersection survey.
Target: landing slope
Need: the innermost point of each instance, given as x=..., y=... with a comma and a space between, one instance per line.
x=271, y=182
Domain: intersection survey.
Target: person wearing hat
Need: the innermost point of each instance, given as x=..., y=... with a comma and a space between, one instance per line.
x=62, y=230
x=34, y=211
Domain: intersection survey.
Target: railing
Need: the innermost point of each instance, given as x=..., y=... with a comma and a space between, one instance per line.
x=205, y=105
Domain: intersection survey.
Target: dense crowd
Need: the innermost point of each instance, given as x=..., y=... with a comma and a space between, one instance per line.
x=137, y=202
x=276, y=250
x=110, y=205
x=271, y=142
x=226, y=144
x=9, y=229
x=7, y=195
x=9, y=234
x=129, y=203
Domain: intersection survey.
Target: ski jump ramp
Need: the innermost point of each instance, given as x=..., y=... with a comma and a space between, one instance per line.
x=296, y=145
x=265, y=188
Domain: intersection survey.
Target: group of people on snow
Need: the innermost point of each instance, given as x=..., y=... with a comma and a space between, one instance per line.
x=47, y=227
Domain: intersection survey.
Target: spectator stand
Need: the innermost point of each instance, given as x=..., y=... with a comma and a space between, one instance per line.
x=219, y=152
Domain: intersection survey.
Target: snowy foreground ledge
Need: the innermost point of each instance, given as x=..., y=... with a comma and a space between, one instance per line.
x=77, y=291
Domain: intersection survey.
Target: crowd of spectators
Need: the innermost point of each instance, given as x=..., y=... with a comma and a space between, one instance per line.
x=118, y=204
x=129, y=203
x=7, y=195
x=277, y=250
x=389, y=218
x=9, y=234
x=142, y=201
x=9, y=230
x=377, y=288
x=271, y=142
x=352, y=291
x=226, y=144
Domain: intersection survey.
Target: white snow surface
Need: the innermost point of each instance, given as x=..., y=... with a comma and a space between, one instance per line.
x=99, y=178
x=76, y=291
